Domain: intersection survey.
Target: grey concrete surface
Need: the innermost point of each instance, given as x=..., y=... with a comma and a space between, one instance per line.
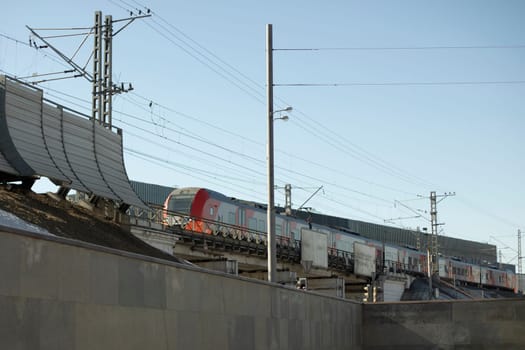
x=488, y=324
x=58, y=294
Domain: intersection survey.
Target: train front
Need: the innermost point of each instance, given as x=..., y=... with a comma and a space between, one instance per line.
x=192, y=209
x=178, y=207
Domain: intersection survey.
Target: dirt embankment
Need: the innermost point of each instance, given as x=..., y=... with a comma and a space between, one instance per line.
x=65, y=219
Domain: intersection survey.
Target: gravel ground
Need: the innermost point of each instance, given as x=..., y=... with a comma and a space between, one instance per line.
x=64, y=219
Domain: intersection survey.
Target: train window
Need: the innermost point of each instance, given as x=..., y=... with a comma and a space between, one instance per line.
x=252, y=223
x=242, y=217
x=278, y=230
x=231, y=218
x=261, y=226
x=180, y=204
x=211, y=211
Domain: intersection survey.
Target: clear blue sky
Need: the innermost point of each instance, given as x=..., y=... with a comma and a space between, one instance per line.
x=202, y=64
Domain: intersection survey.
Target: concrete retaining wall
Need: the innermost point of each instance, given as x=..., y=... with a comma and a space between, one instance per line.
x=61, y=294
x=57, y=294
x=488, y=324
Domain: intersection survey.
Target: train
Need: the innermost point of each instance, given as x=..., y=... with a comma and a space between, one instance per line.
x=209, y=212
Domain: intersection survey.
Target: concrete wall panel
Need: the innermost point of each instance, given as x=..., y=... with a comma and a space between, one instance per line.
x=10, y=265
x=103, y=280
x=473, y=324
x=60, y=294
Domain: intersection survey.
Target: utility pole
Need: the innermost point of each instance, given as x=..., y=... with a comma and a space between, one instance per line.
x=433, y=237
x=272, y=258
x=434, y=243
x=101, y=79
x=103, y=87
x=520, y=271
x=96, y=97
x=107, y=105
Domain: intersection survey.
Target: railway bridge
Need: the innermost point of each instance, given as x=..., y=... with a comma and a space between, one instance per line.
x=240, y=251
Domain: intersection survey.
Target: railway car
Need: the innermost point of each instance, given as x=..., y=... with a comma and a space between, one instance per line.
x=209, y=212
x=203, y=210
x=455, y=270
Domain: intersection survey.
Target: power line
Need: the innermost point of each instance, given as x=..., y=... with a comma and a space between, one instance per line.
x=257, y=84
x=502, y=82
x=288, y=170
x=51, y=57
x=248, y=157
x=187, y=167
x=165, y=165
x=212, y=175
x=231, y=151
x=348, y=148
x=327, y=138
x=391, y=48
x=488, y=213
x=15, y=40
x=215, y=156
x=309, y=161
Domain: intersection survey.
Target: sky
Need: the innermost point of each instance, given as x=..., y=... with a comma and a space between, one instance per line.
x=391, y=100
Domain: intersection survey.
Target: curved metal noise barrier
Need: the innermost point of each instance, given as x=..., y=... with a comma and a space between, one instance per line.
x=40, y=137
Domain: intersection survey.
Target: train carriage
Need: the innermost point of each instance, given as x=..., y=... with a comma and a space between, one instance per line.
x=208, y=212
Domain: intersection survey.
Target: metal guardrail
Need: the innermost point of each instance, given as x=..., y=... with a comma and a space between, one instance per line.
x=341, y=260
x=397, y=267
x=219, y=235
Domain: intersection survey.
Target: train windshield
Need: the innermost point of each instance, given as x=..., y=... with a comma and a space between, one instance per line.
x=181, y=203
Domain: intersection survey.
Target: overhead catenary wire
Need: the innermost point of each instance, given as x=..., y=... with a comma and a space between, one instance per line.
x=42, y=52
x=360, y=157
x=277, y=167
x=261, y=162
x=402, y=48
x=214, y=176
x=194, y=170
x=341, y=187
x=382, y=167
x=164, y=165
x=420, y=83
x=309, y=161
x=237, y=70
x=87, y=102
x=257, y=95
x=234, y=152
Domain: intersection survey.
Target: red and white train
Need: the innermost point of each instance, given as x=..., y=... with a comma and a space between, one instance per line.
x=209, y=212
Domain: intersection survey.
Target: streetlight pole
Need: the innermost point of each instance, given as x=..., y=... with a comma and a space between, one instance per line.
x=272, y=258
